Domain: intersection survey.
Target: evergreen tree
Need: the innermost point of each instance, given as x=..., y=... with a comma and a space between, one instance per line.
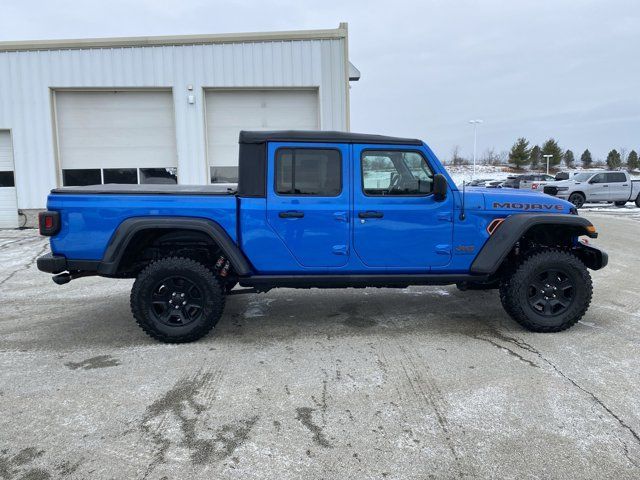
x=613, y=160
x=535, y=157
x=520, y=152
x=633, y=163
x=551, y=147
x=569, y=159
x=586, y=159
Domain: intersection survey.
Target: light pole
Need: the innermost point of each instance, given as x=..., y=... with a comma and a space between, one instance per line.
x=547, y=157
x=475, y=124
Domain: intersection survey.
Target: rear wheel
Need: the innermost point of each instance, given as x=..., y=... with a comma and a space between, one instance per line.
x=577, y=199
x=549, y=292
x=177, y=300
x=638, y=201
x=619, y=204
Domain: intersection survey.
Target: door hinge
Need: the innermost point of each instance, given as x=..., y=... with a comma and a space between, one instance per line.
x=443, y=249
x=340, y=250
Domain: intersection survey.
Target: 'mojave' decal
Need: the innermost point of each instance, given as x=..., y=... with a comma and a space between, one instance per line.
x=528, y=206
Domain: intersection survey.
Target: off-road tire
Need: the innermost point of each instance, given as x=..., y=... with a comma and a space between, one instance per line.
x=211, y=294
x=577, y=199
x=515, y=291
x=620, y=204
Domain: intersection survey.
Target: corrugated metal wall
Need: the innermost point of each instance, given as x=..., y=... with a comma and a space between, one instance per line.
x=27, y=77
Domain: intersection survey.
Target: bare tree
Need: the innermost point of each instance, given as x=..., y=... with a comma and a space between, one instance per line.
x=490, y=157
x=456, y=158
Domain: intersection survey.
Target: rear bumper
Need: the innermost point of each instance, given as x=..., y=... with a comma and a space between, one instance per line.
x=51, y=263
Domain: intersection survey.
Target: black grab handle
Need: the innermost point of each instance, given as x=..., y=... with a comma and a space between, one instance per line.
x=291, y=214
x=370, y=214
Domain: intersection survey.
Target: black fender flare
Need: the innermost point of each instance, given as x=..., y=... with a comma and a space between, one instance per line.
x=128, y=228
x=498, y=246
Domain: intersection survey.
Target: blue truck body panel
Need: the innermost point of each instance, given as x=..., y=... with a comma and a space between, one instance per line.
x=418, y=234
x=89, y=221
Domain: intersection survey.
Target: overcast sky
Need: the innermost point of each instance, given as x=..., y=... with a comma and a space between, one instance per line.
x=535, y=68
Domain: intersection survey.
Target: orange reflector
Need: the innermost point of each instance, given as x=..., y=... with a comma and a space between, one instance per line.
x=494, y=224
x=591, y=229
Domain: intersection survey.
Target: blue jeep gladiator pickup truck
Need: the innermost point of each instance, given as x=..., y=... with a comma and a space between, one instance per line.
x=322, y=210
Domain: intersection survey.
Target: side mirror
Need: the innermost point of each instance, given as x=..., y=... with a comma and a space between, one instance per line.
x=440, y=187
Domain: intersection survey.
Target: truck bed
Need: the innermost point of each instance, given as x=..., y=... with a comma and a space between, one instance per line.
x=91, y=214
x=149, y=189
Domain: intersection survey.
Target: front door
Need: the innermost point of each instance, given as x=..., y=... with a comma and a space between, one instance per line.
x=397, y=222
x=308, y=201
x=599, y=191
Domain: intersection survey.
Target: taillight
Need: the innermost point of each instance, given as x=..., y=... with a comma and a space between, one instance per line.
x=49, y=223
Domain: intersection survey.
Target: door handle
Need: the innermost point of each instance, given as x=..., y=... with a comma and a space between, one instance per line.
x=291, y=214
x=605, y=186
x=370, y=214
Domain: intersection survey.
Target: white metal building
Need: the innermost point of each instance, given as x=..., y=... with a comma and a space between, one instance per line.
x=157, y=109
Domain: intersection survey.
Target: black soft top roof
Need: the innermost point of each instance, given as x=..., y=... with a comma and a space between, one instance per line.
x=253, y=137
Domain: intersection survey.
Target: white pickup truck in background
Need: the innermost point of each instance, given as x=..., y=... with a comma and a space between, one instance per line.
x=614, y=187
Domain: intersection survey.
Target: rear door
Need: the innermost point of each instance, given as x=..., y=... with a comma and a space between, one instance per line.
x=619, y=186
x=398, y=225
x=308, y=201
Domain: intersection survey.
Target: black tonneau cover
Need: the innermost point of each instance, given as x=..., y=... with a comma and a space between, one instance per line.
x=148, y=189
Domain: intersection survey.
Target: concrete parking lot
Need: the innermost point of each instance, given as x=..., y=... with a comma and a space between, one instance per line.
x=426, y=382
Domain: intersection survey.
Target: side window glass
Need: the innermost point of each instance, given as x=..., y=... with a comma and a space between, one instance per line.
x=395, y=172
x=599, y=178
x=308, y=171
x=616, y=177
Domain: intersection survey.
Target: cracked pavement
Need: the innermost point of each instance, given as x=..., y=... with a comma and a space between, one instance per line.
x=426, y=382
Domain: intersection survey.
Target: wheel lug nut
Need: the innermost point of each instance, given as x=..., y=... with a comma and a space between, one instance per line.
x=184, y=303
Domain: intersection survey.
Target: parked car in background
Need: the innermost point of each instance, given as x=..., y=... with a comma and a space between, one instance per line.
x=534, y=181
x=613, y=187
x=512, y=181
x=494, y=184
x=481, y=182
x=529, y=181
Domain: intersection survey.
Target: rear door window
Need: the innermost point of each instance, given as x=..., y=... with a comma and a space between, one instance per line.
x=308, y=172
x=617, y=177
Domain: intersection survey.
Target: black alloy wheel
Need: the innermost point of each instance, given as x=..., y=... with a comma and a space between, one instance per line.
x=551, y=292
x=577, y=199
x=176, y=301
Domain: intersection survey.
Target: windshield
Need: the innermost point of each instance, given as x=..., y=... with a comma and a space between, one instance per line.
x=582, y=177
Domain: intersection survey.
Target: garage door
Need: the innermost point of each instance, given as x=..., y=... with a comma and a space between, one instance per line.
x=8, y=199
x=116, y=137
x=228, y=112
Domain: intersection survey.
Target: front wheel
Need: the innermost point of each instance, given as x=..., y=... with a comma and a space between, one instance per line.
x=177, y=300
x=549, y=292
x=577, y=199
x=638, y=201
